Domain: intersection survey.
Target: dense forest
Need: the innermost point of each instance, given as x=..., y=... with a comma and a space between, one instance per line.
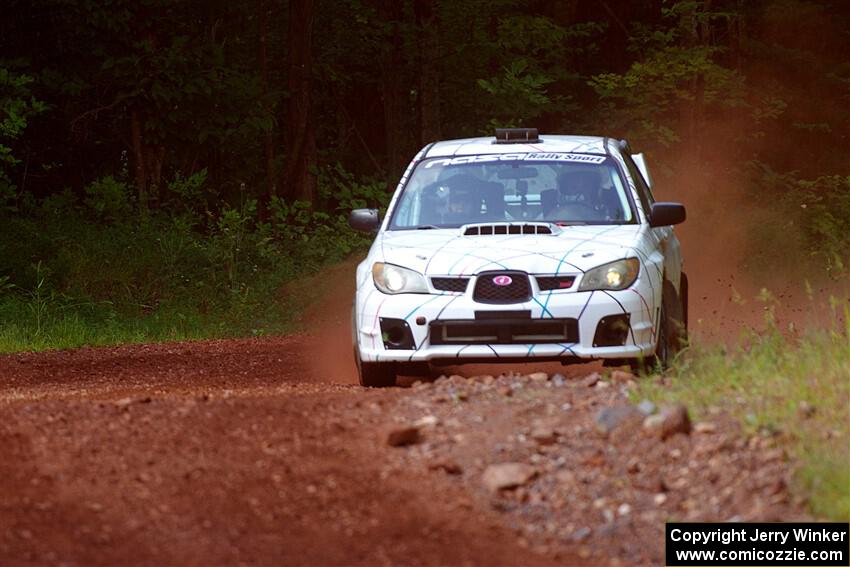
x=166, y=165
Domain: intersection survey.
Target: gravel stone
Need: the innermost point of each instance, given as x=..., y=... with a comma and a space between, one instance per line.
x=590, y=380
x=403, y=436
x=609, y=419
x=670, y=421
x=506, y=476
x=646, y=407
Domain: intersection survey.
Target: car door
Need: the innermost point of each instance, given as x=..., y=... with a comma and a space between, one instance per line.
x=663, y=238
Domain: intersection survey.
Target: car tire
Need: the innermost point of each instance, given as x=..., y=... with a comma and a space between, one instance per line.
x=663, y=355
x=683, y=297
x=672, y=335
x=376, y=374
x=672, y=332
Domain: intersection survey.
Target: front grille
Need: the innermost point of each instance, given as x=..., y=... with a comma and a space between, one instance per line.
x=450, y=284
x=547, y=283
x=514, y=287
x=504, y=331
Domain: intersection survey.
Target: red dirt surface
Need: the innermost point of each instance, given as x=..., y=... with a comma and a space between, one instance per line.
x=265, y=452
x=216, y=453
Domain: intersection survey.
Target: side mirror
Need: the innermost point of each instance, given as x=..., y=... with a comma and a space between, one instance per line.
x=364, y=220
x=667, y=214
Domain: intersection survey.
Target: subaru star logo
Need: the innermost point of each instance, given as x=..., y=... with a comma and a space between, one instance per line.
x=502, y=280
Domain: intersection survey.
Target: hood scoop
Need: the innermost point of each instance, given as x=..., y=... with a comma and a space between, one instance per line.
x=507, y=228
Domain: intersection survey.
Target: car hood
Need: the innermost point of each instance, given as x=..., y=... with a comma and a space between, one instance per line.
x=450, y=252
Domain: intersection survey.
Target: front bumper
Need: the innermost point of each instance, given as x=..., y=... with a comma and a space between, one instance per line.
x=551, y=325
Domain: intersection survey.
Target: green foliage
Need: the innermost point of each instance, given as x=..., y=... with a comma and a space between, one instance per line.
x=98, y=271
x=108, y=198
x=767, y=383
x=522, y=94
x=814, y=211
x=674, y=69
x=188, y=195
x=342, y=191
x=17, y=106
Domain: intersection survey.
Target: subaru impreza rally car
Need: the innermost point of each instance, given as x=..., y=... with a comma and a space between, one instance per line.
x=521, y=247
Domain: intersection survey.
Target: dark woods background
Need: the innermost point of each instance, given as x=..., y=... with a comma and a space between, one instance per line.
x=166, y=164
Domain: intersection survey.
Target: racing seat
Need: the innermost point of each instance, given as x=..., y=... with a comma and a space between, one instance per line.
x=431, y=206
x=548, y=201
x=494, y=200
x=608, y=199
x=580, y=186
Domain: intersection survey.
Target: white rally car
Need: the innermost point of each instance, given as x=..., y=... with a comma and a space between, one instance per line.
x=521, y=247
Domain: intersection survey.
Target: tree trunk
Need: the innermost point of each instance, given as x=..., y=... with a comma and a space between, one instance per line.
x=299, y=179
x=139, y=157
x=154, y=162
x=697, y=35
x=268, y=136
x=427, y=22
x=393, y=91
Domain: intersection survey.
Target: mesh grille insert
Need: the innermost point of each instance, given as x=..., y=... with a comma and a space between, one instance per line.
x=457, y=285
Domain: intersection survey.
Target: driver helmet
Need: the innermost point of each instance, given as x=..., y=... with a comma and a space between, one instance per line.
x=461, y=196
x=579, y=186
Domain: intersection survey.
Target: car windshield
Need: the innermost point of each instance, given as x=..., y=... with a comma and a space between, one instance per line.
x=545, y=187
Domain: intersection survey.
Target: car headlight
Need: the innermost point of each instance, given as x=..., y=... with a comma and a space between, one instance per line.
x=395, y=279
x=614, y=276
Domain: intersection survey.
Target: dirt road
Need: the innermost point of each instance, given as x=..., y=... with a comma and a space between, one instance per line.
x=211, y=454
x=263, y=452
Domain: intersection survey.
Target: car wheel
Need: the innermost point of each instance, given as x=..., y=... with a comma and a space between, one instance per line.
x=662, y=350
x=376, y=374
x=661, y=358
x=672, y=332
x=672, y=336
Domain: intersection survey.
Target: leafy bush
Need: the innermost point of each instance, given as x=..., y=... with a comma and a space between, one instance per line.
x=108, y=198
x=17, y=106
x=68, y=278
x=809, y=213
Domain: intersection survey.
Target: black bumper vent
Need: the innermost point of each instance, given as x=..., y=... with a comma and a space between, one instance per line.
x=502, y=287
x=504, y=331
x=450, y=284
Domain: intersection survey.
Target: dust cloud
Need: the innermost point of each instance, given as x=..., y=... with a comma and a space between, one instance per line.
x=732, y=288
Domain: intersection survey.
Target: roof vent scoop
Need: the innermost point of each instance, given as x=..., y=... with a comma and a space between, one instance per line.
x=495, y=229
x=517, y=136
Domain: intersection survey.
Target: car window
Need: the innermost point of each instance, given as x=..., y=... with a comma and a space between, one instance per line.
x=549, y=187
x=643, y=190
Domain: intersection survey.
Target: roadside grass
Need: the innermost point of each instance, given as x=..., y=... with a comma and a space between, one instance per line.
x=798, y=388
x=59, y=326
x=36, y=321
x=152, y=282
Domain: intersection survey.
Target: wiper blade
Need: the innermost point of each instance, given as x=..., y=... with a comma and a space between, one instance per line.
x=427, y=227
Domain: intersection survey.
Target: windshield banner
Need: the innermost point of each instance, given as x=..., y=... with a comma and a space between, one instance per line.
x=535, y=156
